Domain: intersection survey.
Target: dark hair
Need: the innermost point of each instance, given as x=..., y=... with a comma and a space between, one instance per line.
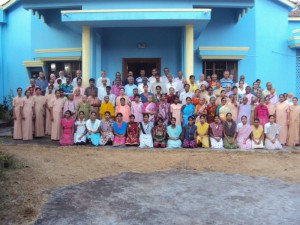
x=158, y=87
x=108, y=87
x=92, y=79
x=257, y=80
x=173, y=118
x=190, y=117
x=19, y=89
x=188, y=98
x=244, y=117
x=119, y=114
x=136, y=95
x=38, y=88
x=216, y=116
x=160, y=119
x=145, y=114
x=176, y=97
x=192, y=76
x=81, y=112
x=122, y=99
x=107, y=112
x=132, y=116
x=56, y=91
x=228, y=114
x=271, y=116
x=186, y=85
x=68, y=111
x=295, y=98
x=202, y=117
x=93, y=112
x=78, y=79
x=256, y=119
x=145, y=85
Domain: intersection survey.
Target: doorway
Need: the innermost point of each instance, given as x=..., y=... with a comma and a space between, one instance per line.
x=137, y=64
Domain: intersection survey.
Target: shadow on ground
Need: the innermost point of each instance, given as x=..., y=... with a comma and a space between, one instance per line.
x=175, y=198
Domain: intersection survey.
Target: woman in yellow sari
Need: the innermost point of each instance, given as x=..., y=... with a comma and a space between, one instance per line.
x=223, y=109
x=107, y=106
x=202, y=132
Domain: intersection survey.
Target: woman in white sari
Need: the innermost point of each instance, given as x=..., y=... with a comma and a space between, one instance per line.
x=93, y=129
x=146, y=140
x=272, y=131
x=80, y=130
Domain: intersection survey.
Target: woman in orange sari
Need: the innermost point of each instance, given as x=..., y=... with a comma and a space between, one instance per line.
x=294, y=124
x=282, y=118
x=211, y=110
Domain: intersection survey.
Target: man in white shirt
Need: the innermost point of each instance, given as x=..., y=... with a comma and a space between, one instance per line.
x=102, y=89
x=139, y=80
x=61, y=75
x=202, y=81
x=242, y=78
x=179, y=82
x=170, y=83
x=165, y=76
x=103, y=75
x=112, y=97
x=78, y=75
x=152, y=79
x=186, y=93
x=141, y=85
x=158, y=82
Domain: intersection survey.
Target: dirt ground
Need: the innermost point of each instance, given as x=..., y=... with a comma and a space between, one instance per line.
x=25, y=190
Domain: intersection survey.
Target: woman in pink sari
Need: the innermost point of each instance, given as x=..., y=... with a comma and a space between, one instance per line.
x=282, y=118
x=244, y=131
x=67, y=129
x=262, y=112
x=163, y=109
x=150, y=108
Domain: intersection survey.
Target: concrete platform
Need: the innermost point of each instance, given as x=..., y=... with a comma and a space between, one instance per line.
x=175, y=198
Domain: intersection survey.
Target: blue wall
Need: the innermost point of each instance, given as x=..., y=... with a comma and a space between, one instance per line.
x=118, y=43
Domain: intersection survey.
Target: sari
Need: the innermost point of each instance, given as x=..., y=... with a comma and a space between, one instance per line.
x=294, y=126
x=146, y=140
x=202, y=129
x=17, y=104
x=144, y=97
x=229, y=130
x=137, y=111
x=187, y=111
x=164, y=112
x=245, y=110
x=189, y=136
x=211, y=112
x=107, y=107
x=234, y=110
x=150, y=108
x=67, y=137
x=272, y=130
x=94, y=127
x=271, y=109
x=200, y=110
x=170, y=99
x=86, y=108
x=107, y=131
x=118, y=100
x=222, y=110
x=80, y=129
x=216, y=130
x=132, y=134
x=282, y=110
x=120, y=129
x=256, y=134
x=174, y=136
x=244, y=132
x=71, y=106
x=159, y=133
x=262, y=113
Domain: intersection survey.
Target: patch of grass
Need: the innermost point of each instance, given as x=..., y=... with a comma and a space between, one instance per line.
x=8, y=162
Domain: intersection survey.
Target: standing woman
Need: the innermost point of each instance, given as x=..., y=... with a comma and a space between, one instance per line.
x=149, y=108
x=216, y=133
x=163, y=109
x=262, y=112
x=211, y=110
x=244, y=131
x=294, y=125
x=84, y=106
x=17, y=104
x=28, y=115
x=174, y=132
x=80, y=130
x=106, y=130
x=175, y=110
x=67, y=129
x=40, y=113
x=49, y=97
x=159, y=134
x=56, y=110
x=146, y=140
x=200, y=109
x=120, y=128
x=234, y=107
x=282, y=118
x=132, y=133
x=230, y=133
x=70, y=105
x=93, y=129
x=223, y=109
x=187, y=111
x=137, y=109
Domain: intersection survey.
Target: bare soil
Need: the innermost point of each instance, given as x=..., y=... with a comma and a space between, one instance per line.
x=23, y=191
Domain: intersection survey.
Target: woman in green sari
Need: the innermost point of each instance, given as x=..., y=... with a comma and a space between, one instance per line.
x=229, y=130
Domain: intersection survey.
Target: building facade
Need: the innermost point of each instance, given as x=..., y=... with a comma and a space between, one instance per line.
x=257, y=39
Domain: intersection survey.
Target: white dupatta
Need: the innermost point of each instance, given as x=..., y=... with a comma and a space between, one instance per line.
x=96, y=125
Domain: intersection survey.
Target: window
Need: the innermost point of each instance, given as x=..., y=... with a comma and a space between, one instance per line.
x=219, y=66
x=69, y=67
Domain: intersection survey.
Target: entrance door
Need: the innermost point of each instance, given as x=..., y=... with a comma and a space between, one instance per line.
x=136, y=64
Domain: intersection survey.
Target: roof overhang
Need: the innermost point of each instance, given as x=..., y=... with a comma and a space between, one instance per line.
x=294, y=41
x=223, y=52
x=138, y=18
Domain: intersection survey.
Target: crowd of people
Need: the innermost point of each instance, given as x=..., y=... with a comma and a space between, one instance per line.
x=159, y=111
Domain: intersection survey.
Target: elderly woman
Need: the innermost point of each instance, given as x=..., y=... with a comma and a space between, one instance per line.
x=84, y=106
x=216, y=133
x=149, y=108
x=244, y=131
x=106, y=130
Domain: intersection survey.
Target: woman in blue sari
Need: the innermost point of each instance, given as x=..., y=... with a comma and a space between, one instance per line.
x=120, y=128
x=93, y=129
x=174, y=132
x=187, y=111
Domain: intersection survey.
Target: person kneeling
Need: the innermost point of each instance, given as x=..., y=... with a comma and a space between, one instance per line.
x=80, y=130
x=159, y=134
x=106, y=130
x=120, y=128
x=216, y=133
x=257, y=135
x=272, y=133
x=244, y=131
x=145, y=127
x=67, y=126
x=174, y=132
x=202, y=132
x=189, y=134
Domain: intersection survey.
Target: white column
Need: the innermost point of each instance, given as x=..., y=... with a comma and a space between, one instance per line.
x=189, y=50
x=86, y=54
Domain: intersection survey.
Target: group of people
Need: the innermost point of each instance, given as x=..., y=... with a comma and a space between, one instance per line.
x=159, y=111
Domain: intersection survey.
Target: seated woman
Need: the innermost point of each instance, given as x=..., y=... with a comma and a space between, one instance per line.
x=230, y=133
x=145, y=127
x=272, y=130
x=80, y=130
x=106, y=130
x=93, y=129
x=132, y=132
x=189, y=134
x=244, y=131
x=257, y=134
x=124, y=109
x=187, y=111
x=216, y=133
x=174, y=132
x=202, y=132
x=159, y=134
x=67, y=129
x=119, y=131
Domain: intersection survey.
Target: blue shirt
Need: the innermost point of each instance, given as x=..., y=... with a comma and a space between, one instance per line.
x=42, y=84
x=129, y=89
x=67, y=89
x=224, y=82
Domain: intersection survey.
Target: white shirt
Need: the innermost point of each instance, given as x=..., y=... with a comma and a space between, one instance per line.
x=112, y=98
x=202, y=82
x=184, y=95
x=169, y=85
x=155, y=84
x=101, y=93
x=141, y=87
x=179, y=83
x=63, y=80
x=74, y=82
x=99, y=82
x=153, y=80
x=237, y=85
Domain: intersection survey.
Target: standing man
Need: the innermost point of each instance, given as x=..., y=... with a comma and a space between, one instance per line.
x=140, y=79
x=141, y=85
x=130, y=74
x=242, y=78
x=78, y=75
x=166, y=72
x=32, y=86
x=158, y=82
x=103, y=75
x=117, y=76
x=117, y=87
x=170, y=83
x=112, y=97
x=268, y=90
x=152, y=79
x=202, y=81
x=61, y=75
x=226, y=80
x=130, y=86
x=41, y=82
x=67, y=87
x=102, y=90
x=89, y=90
x=186, y=93
x=179, y=82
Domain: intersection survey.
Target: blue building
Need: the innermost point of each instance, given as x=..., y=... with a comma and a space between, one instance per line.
x=254, y=38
